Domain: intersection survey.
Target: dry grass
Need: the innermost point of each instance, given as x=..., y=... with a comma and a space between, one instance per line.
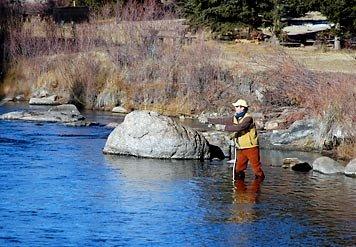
x=331, y=61
x=311, y=57
x=347, y=150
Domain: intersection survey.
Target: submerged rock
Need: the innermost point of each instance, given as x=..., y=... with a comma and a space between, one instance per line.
x=149, y=134
x=327, y=165
x=350, y=169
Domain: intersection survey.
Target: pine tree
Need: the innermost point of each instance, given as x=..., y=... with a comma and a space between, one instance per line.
x=342, y=13
x=220, y=15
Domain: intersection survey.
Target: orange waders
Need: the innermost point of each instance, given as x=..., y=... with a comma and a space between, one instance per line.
x=245, y=155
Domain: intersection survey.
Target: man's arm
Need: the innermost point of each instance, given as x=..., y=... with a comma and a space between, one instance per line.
x=244, y=125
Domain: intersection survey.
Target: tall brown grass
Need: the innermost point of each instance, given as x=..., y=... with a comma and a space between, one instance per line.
x=149, y=50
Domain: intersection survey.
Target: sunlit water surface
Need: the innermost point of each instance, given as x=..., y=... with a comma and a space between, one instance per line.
x=58, y=189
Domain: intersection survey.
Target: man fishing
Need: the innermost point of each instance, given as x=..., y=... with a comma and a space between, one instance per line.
x=246, y=142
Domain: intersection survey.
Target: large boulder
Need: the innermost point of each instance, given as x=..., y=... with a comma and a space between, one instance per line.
x=327, y=165
x=149, y=134
x=350, y=169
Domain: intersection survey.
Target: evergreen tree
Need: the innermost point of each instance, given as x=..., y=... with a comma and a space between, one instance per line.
x=94, y=4
x=342, y=13
x=222, y=15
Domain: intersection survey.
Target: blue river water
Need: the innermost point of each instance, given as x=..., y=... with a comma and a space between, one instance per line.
x=58, y=189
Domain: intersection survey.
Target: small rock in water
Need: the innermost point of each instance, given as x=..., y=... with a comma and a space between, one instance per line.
x=302, y=167
x=296, y=165
x=289, y=162
x=111, y=125
x=327, y=165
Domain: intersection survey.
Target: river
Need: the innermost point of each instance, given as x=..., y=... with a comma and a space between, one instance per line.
x=58, y=189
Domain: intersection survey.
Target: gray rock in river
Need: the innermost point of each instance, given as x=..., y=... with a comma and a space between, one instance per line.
x=350, y=169
x=327, y=165
x=302, y=167
x=149, y=134
x=67, y=114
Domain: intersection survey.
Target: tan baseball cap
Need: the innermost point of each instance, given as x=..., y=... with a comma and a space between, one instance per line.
x=240, y=102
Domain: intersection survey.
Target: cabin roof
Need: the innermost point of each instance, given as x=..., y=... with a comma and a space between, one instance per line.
x=305, y=29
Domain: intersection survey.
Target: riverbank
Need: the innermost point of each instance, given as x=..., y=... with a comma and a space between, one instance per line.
x=300, y=136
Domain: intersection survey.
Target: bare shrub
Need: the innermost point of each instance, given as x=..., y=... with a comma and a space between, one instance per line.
x=86, y=76
x=329, y=96
x=291, y=83
x=285, y=79
x=190, y=73
x=133, y=10
x=149, y=49
x=161, y=67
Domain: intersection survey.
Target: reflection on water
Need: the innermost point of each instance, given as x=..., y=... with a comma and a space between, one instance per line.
x=244, y=197
x=58, y=189
x=152, y=169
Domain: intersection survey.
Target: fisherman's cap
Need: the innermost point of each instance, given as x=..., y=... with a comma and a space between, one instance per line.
x=240, y=102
